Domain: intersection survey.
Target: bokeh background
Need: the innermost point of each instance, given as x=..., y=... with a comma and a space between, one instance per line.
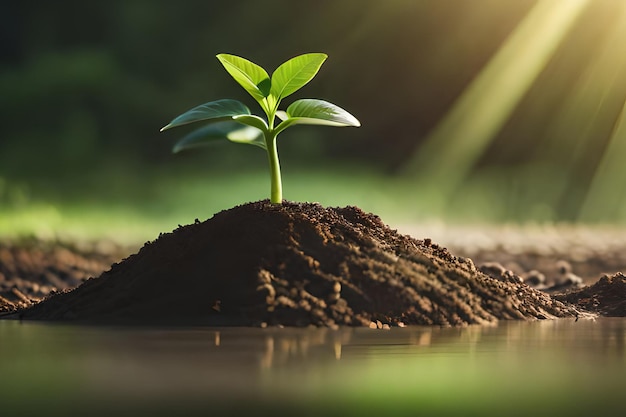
x=483, y=111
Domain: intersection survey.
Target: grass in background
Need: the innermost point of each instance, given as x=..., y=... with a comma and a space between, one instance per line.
x=129, y=208
x=133, y=205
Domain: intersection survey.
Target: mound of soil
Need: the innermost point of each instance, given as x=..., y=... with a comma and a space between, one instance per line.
x=606, y=297
x=296, y=264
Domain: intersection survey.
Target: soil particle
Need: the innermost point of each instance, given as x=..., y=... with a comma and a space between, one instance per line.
x=606, y=297
x=296, y=264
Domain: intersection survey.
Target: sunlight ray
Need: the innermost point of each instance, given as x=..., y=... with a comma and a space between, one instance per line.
x=587, y=98
x=607, y=192
x=577, y=136
x=460, y=138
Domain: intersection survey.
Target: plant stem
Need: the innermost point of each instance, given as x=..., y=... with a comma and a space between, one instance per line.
x=276, y=193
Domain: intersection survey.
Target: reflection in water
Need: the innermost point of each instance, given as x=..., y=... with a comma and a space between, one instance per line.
x=596, y=344
x=602, y=341
x=613, y=339
x=550, y=362
x=268, y=355
x=421, y=339
x=284, y=346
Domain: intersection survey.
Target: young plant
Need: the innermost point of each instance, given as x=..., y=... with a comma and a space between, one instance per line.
x=232, y=120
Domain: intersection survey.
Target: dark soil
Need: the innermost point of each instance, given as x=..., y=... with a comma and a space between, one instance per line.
x=31, y=269
x=297, y=264
x=606, y=297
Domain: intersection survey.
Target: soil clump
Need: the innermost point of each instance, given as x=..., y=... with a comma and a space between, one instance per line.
x=606, y=297
x=296, y=264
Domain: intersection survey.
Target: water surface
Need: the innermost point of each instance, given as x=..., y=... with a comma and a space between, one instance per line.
x=553, y=367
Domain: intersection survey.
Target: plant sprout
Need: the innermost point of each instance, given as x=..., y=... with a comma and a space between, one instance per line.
x=232, y=120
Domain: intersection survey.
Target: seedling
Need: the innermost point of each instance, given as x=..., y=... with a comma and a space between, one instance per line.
x=232, y=120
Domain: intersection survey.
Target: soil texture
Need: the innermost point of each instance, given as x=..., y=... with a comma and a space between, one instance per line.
x=606, y=297
x=299, y=264
x=31, y=269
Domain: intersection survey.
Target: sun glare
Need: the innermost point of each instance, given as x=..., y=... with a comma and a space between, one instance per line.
x=460, y=138
x=562, y=71
x=607, y=193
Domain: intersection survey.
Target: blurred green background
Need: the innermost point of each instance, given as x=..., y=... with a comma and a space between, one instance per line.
x=471, y=111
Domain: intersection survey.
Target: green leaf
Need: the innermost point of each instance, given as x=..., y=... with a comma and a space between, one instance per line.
x=247, y=135
x=316, y=112
x=252, y=120
x=253, y=78
x=209, y=134
x=295, y=73
x=214, y=110
x=206, y=135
